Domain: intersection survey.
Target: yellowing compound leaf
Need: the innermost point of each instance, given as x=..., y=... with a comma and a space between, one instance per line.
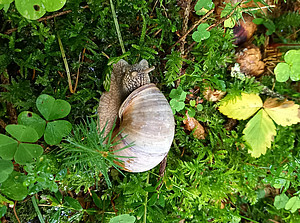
x=284, y=113
x=259, y=133
x=242, y=107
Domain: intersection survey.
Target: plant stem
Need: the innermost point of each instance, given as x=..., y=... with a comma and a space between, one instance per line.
x=65, y=62
x=146, y=200
x=117, y=26
x=33, y=199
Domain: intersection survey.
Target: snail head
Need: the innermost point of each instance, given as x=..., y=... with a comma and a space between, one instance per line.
x=136, y=76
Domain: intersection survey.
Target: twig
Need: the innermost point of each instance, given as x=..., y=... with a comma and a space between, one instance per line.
x=192, y=28
x=162, y=169
x=16, y=212
x=214, y=25
x=117, y=26
x=77, y=77
x=65, y=62
x=2, y=124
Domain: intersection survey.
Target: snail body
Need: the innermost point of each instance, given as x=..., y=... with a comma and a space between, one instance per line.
x=145, y=122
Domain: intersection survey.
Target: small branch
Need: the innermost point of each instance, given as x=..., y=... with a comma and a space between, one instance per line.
x=77, y=77
x=192, y=28
x=16, y=212
x=117, y=26
x=65, y=62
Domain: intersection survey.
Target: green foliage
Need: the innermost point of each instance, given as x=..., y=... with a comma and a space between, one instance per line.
x=201, y=33
x=34, y=9
x=51, y=109
x=41, y=175
x=6, y=168
x=267, y=23
x=124, y=218
x=289, y=69
x=86, y=151
x=13, y=187
x=20, y=150
x=209, y=180
x=178, y=97
x=202, y=7
x=173, y=67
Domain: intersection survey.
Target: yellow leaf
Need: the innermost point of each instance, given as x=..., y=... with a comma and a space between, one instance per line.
x=241, y=108
x=284, y=113
x=259, y=133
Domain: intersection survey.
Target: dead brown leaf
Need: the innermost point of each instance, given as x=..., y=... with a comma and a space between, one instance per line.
x=213, y=95
x=191, y=124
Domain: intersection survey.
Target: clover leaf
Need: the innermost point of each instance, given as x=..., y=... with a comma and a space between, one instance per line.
x=34, y=9
x=178, y=98
x=13, y=187
x=6, y=168
x=203, y=6
x=21, y=151
x=33, y=120
x=50, y=109
x=289, y=69
x=201, y=33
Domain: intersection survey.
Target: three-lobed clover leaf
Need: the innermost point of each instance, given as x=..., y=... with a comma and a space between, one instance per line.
x=289, y=69
x=22, y=151
x=201, y=33
x=34, y=9
x=280, y=201
x=50, y=109
x=178, y=98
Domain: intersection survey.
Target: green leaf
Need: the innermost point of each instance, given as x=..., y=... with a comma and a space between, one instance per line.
x=52, y=109
x=13, y=187
x=203, y=6
x=295, y=72
x=258, y=21
x=6, y=1
x=201, y=33
x=32, y=120
x=53, y=5
x=30, y=9
x=192, y=103
x=26, y=153
x=292, y=56
x=280, y=201
x=22, y=133
x=6, y=168
x=199, y=107
x=293, y=204
x=8, y=147
x=282, y=72
x=230, y=22
x=178, y=94
x=96, y=199
x=124, y=218
x=177, y=105
x=3, y=210
x=56, y=130
x=259, y=133
x=241, y=108
x=73, y=203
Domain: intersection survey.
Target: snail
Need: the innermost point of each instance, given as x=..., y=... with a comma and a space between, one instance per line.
x=145, y=120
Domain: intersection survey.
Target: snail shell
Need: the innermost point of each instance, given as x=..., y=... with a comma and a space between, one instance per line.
x=147, y=121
